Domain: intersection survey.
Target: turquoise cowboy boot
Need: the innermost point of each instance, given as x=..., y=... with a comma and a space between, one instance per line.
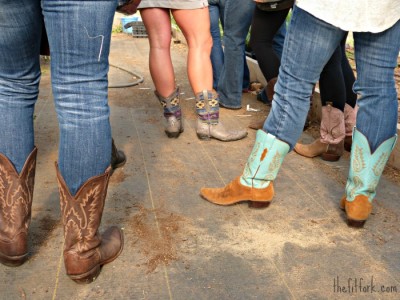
x=255, y=184
x=365, y=171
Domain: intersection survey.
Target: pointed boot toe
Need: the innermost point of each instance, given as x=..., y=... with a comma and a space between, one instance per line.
x=257, y=124
x=235, y=192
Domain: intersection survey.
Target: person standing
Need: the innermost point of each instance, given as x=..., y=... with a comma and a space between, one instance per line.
x=193, y=19
x=79, y=34
x=315, y=31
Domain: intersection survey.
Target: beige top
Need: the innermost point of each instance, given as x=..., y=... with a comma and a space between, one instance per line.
x=174, y=4
x=355, y=15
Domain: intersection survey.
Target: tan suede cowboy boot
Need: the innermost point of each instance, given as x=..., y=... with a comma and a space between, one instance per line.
x=16, y=192
x=85, y=250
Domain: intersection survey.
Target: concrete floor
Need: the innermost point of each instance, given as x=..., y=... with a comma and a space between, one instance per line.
x=178, y=246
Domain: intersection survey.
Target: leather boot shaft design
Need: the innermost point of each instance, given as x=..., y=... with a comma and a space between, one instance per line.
x=16, y=193
x=350, y=116
x=255, y=184
x=85, y=250
x=365, y=171
x=332, y=128
x=264, y=161
x=208, y=124
x=172, y=113
x=365, y=167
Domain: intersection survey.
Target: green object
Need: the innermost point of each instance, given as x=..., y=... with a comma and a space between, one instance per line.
x=365, y=167
x=264, y=161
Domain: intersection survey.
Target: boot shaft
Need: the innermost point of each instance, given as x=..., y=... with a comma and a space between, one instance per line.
x=82, y=212
x=16, y=193
x=350, y=116
x=171, y=104
x=264, y=161
x=207, y=107
x=365, y=167
x=332, y=128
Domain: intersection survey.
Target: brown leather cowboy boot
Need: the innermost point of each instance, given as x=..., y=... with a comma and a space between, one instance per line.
x=16, y=192
x=85, y=250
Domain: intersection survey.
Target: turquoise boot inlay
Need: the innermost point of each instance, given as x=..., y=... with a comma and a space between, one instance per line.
x=365, y=167
x=264, y=161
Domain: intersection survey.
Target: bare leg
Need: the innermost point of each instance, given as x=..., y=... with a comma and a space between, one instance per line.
x=158, y=26
x=195, y=25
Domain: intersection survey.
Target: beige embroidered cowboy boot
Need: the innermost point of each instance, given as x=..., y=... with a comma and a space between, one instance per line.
x=330, y=145
x=172, y=113
x=85, y=250
x=350, y=116
x=16, y=192
x=208, y=123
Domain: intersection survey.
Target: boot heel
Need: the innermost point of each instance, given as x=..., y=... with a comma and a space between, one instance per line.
x=355, y=223
x=204, y=137
x=258, y=205
x=330, y=157
x=87, y=277
x=172, y=134
x=14, y=261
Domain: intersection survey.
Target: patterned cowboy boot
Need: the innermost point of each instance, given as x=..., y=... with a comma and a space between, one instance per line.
x=208, y=124
x=85, y=250
x=330, y=145
x=350, y=116
x=16, y=192
x=172, y=113
x=255, y=184
x=365, y=171
x=118, y=158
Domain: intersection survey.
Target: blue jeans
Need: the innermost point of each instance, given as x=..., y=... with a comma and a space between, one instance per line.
x=216, y=10
x=309, y=44
x=79, y=34
x=237, y=20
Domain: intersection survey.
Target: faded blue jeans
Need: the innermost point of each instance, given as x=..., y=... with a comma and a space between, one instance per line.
x=79, y=35
x=237, y=20
x=216, y=10
x=309, y=44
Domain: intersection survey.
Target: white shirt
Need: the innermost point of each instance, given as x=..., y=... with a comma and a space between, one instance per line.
x=355, y=15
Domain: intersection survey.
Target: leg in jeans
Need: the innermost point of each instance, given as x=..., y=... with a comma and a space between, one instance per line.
x=79, y=34
x=279, y=40
x=375, y=133
x=79, y=81
x=19, y=77
x=309, y=44
x=217, y=54
x=376, y=59
x=20, y=31
x=237, y=20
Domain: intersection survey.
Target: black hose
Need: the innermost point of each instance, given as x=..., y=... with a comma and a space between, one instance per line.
x=136, y=82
